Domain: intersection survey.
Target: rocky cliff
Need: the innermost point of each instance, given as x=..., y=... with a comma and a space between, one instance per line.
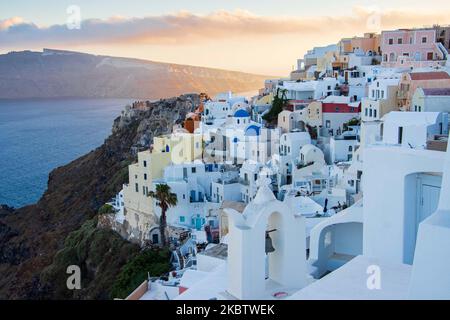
x=34, y=242
x=56, y=74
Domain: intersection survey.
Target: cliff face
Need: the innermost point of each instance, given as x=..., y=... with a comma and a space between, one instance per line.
x=31, y=236
x=53, y=74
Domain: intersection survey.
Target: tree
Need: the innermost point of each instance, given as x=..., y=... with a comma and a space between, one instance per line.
x=164, y=199
x=278, y=104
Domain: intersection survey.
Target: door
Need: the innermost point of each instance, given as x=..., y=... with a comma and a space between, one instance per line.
x=429, y=187
x=428, y=203
x=427, y=198
x=198, y=223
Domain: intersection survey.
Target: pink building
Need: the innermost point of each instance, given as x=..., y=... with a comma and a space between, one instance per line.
x=411, y=48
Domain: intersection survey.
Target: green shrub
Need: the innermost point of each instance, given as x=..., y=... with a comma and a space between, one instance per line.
x=106, y=209
x=155, y=262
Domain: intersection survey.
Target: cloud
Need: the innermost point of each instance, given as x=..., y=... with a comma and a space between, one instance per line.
x=188, y=28
x=5, y=24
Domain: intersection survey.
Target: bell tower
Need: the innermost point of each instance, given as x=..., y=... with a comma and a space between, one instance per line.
x=266, y=227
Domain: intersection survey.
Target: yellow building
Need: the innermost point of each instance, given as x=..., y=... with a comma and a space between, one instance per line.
x=324, y=63
x=138, y=206
x=314, y=114
x=264, y=100
x=184, y=147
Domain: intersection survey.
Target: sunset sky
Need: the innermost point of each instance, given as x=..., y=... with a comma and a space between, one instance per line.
x=258, y=36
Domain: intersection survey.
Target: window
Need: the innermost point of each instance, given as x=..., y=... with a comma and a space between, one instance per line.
x=370, y=112
x=350, y=148
x=400, y=135
x=136, y=187
x=366, y=112
x=145, y=176
x=256, y=176
x=182, y=219
x=327, y=124
x=374, y=113
x=399, y=41
x=424, y=39
x=391, y=41
x=145, y=164
x=193, y=169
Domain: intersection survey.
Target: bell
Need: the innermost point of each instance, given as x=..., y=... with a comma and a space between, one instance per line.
x=269, y=245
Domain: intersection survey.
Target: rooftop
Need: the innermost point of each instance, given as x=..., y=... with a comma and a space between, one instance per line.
x=219, y=251
x=436, y=91
x=430, y=75
x=350, y=282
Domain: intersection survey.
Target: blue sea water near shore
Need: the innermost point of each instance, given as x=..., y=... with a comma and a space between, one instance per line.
x=37, y=136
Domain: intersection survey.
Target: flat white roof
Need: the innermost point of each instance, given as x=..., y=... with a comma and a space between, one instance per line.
x=336, y=99
x=411, y=118
x=350, y=282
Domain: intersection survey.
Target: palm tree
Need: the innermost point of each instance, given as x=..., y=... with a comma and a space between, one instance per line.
x=165, y=199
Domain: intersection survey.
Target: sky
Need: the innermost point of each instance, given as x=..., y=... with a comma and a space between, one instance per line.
x=256, y=36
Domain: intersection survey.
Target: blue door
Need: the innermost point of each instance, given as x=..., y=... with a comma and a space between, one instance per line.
x=198, y=222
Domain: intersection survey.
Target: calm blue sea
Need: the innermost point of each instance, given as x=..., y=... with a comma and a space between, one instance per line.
x=37, y=136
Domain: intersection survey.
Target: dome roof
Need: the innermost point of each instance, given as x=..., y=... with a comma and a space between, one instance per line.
x=252, y=130
x=241, y=114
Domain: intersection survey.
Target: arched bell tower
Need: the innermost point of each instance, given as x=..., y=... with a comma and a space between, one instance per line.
x=247, y=246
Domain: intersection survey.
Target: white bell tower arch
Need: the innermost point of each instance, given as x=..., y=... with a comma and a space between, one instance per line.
x=246, y=246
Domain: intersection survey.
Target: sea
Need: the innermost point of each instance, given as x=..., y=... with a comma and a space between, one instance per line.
x=37, y=136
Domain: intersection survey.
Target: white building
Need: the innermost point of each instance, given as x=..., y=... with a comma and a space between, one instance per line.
x=310, y=90
x=413, y=129
x=290, y=145
x=249, y=175
x=343, y=146
x=431, y=100
x=191, y=182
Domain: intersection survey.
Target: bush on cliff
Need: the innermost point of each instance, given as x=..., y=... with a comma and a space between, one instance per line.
x=153, y=262
x=106, y=209
x=100, y=254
